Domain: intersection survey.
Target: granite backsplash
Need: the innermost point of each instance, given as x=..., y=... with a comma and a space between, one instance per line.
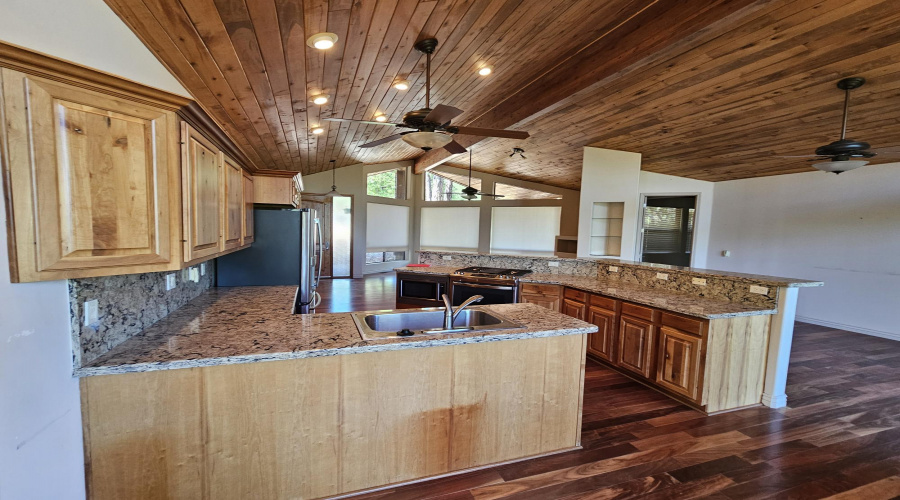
x=127, y=304
x=575, y=267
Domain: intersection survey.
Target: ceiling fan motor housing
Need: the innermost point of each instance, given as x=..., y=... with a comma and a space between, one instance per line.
x=845, y=147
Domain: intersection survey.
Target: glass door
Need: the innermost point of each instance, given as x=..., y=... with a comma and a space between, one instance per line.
x=341, y=236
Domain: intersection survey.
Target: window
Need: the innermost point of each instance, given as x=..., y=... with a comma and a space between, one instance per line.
x=511, y=192
x=524, y=230
x=387, y=232
x=439, y=185
x=387, y=184
x=450, y=228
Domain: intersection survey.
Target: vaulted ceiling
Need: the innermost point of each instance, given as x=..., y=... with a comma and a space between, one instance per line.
x=709, y=89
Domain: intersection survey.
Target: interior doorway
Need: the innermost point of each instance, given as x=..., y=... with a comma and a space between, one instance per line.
x=336, y=217
x=667, y=229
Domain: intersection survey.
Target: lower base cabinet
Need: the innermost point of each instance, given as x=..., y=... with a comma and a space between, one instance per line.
x=548, y=296
x=635, y=349
x=602, y=343
x=679, y=362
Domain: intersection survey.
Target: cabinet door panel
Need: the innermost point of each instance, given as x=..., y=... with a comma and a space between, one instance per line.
x=91, y=175
x=234, y=199
x=574, y=309
x=635, y=349
x=679, y=362
x=247, y=232
x=601, y=343
x=203, y=194
x=549, y=302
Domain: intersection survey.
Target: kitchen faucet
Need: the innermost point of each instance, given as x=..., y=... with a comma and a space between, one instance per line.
x=450, y=314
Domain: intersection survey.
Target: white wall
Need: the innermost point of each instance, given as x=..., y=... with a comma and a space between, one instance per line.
x=609, y=176
x=40, y=417
x=841, y=229
x=654, y=184
x=86, y=32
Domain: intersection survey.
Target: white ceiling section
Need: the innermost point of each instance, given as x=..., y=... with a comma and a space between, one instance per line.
x=85, y=32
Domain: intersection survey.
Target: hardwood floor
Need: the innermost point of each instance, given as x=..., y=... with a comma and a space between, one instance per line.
x=839, y=438
x=375, y=291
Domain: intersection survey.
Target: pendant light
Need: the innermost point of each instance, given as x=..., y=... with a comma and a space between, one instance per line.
x=333, y=192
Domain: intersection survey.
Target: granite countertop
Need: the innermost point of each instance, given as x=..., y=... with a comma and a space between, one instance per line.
x=251, y=324
x=678, y=302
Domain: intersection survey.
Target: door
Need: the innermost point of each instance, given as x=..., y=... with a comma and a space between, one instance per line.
x=247, y=220
x=601, y=343
x=94, y=179
x=574, y=309
x=679, y=362
x=667, y=229
x=234, y=203
x=202, y=181
x=635, y=349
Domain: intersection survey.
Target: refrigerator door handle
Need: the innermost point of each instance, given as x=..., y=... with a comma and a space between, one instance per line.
x=320, y=250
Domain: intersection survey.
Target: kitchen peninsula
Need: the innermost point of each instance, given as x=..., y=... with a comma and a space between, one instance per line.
x=232, y=396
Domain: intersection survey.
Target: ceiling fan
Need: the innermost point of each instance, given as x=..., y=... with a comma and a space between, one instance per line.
x=469, y=192
x=431, y=127
x=844, y=154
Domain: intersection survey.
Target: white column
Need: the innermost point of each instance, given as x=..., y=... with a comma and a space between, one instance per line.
x=780, y=338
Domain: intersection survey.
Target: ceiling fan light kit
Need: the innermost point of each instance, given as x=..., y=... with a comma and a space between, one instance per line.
x=427, y=140
x=322, y=41
x=838, y=166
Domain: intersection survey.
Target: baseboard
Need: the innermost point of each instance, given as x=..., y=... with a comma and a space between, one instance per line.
x=779, y=401
x=849, y=328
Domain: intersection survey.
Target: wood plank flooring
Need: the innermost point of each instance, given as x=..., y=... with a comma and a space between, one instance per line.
x=839, y=438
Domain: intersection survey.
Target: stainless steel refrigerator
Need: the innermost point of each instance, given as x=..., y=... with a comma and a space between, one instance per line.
x=286, y=250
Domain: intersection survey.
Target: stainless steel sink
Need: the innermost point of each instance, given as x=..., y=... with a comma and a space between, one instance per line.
x=429, y=321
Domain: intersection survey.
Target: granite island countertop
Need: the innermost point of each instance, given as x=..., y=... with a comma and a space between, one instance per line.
x=231, y=325
x=678, y=302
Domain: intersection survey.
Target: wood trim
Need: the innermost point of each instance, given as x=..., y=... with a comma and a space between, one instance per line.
x=45, y=66
x=275, y=173
x=200, y=121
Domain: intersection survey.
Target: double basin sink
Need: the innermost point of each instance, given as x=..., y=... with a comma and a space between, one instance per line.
x=429, y=321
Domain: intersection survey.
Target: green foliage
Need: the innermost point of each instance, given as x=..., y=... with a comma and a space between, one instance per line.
x=437, y=187
x=383, y=184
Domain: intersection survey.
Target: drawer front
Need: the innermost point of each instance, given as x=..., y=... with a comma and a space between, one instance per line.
x=688, y=325
x=538, y=289
x=637, y=311
x=577, y=295
x=603, y=302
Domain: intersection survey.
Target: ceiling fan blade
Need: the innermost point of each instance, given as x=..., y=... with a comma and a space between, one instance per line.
x=491, y=132
x=494, y=195
x=455, y=148
x=885, y=150
x=366, y=122
x=382, y=141
x=443, y=114
x=805, y=156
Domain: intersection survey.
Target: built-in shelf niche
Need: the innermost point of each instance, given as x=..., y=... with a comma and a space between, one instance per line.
x=566, y=247
x=606, y=228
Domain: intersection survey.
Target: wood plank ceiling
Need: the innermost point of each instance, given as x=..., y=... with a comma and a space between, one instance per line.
x=721, y=103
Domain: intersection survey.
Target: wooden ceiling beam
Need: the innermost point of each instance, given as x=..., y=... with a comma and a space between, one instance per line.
x=650, y=29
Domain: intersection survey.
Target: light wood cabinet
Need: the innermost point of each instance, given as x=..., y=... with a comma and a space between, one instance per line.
x=273, y=190
x=93, y=181
x=233, y=194
x=601, y=343
x=249, y=197
x=202, y=180
x=679, y=362
x=549, y=296
x=635, y=349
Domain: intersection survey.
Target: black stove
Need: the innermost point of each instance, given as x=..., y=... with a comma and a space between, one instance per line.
x=497, y=273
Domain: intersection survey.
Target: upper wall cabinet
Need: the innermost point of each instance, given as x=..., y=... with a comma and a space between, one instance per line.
x=234, y=204
x=204, y=194
x=92, y=181
x=249, y=195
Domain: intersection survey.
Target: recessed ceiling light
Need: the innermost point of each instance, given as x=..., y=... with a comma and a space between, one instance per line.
x=401, y=85
x=322, y=41
x=320, y=99
x=317, y=130
x=485, y=71
x=380, y=118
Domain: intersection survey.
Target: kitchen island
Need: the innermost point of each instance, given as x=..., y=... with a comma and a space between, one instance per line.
x=232, y=396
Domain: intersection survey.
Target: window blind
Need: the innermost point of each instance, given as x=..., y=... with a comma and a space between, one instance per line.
x=526, y=230
x=662, y=229
x=387, y=228
x=450, y=228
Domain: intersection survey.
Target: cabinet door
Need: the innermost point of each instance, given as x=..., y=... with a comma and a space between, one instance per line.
x=574, y=309
x=601, y=343
x=635, y=349
x=679, y=362
x=202, y=179
x=92, y=181
x=234, y=204
x=543, y=295
x=247, y=232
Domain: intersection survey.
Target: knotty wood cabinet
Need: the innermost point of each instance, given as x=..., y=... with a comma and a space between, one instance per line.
x=679, y=362
x=601, y=343
x=549, y=296
x=635, y=349
x=204, y=195
x=93, y=181
x=233, y=195
x=577, y=310
x=247, y=212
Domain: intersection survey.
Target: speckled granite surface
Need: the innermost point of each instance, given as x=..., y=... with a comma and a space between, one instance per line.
x=577, y=267
x=251, y=324
x=127, y=304
x=678, y=302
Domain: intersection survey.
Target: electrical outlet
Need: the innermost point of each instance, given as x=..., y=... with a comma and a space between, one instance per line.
x=90, y=312
x=170, y=281
x=447, y=257
x=553, y=263
x=203, y=269
x=698, y=281
x=195, y=275
x=185, y=275
x=759, y=289
x=662, y=276
x=613, y=269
